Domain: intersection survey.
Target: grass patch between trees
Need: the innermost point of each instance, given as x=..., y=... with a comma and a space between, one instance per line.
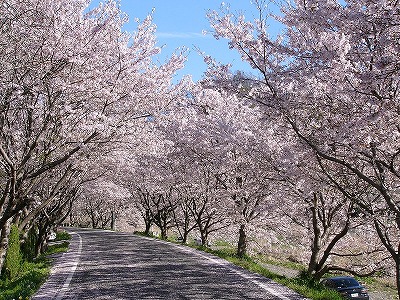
x=31, y=275
x=302, y=284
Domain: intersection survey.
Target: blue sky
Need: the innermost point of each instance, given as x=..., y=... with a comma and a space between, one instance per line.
x=180, y=23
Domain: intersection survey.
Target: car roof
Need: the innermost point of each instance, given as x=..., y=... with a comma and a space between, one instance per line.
x=344, y=281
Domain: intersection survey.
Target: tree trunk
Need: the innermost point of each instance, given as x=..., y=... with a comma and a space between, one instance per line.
x=112, y=220
x=5, y=233
x=397, y=261
x=147, y=229
x=184, y=237
x=313, y=263
x=204, y=237
x=316, y=245
x=148, y=220
x=163, y=233
x=41, y=245
x=242, y=243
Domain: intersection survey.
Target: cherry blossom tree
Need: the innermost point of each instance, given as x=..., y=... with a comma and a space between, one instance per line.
x=217, y=138
x=332, y=76
x=38, y=230
x=184, y=219
x=327, y=221
x=102, y=203
x=72, y=81
x=144, y=206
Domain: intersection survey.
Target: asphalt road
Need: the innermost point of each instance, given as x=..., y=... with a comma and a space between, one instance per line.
x=110, y=265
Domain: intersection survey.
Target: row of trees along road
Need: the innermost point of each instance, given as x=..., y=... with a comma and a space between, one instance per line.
x=332, y=81
x=225, y=164
x=73, y=85
x=307, y=147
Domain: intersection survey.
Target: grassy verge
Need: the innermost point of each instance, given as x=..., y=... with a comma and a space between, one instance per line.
x=302, y=284
x=31, y=275
x=286, y=264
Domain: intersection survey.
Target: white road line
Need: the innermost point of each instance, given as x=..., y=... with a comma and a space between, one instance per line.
x=228, y=265
x=67, y=282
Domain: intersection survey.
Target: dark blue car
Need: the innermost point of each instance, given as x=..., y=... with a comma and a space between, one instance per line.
x=347, y=286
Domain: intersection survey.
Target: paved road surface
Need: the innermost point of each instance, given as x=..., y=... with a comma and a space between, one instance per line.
x=109, y=265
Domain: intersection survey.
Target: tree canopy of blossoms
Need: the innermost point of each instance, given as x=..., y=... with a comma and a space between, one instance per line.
x=332, y=77
x=71, y=82
x=308, y=145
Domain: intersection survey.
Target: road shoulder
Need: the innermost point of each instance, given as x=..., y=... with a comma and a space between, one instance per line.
x=62, y=271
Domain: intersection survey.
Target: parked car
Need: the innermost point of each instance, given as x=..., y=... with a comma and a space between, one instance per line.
x=347, y=286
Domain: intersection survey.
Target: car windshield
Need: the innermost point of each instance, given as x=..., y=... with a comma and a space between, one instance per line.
x=345, y=282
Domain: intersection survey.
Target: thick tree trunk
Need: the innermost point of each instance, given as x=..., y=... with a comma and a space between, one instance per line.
x=242, y=243
x=313, y=262
x=147, y=229
x=112, y=220
x=163, y=233
x=204, y=238
x=41, y=244
x=316, y=245
x=4, y=235
x=184, y=237
x=148, y=221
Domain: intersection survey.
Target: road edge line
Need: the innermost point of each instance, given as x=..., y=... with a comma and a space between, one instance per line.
x=219, y=261
x=67, y=282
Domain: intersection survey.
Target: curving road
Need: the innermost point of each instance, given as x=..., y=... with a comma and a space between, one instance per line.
x=110, y=265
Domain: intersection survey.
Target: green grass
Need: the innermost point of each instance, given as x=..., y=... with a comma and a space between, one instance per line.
x=62, y=236
x=57, y=248
x=141, y=233
x=31, y=275
x=301, y=284
x=222, y=243
x=281, y=263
